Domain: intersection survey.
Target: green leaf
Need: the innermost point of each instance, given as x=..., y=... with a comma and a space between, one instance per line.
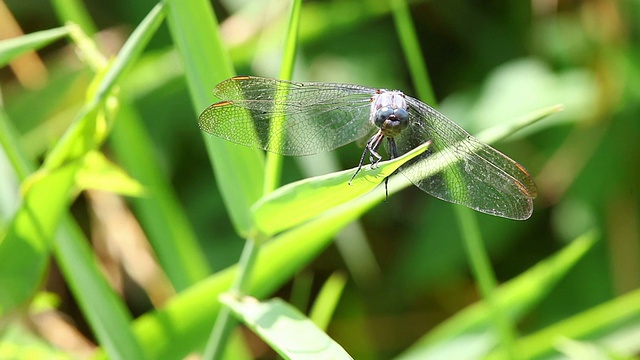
x=24, y=250
x=99, y=173
x=103, y=309
x=12, y=48
x=504, y=130
x=285, y=329
x=300, y=201
x=92, y=124
x=176, y=329
x=470, y=333
x=615, y=321
x=327, y=299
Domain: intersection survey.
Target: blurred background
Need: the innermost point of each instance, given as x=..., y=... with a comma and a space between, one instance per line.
x=490, y=62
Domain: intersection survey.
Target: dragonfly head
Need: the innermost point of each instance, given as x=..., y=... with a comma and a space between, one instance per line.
x=389, y=112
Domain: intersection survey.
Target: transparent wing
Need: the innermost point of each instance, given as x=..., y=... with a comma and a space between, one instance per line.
x=460, y=169
x=289, y=118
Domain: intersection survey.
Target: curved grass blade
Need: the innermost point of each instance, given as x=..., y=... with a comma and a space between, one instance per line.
x=297, y=202
x=12, y=48
x=471, y=332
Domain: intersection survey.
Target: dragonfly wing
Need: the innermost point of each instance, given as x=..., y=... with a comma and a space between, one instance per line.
x=460, y=169
x=288, y=118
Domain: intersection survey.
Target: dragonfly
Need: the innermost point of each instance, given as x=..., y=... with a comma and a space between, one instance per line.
x=305, y=118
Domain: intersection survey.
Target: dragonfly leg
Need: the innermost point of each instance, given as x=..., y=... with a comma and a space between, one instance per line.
x=371, y=147
x=392, y=146
x=366, y=149
x=374, y=158
x=394, y=154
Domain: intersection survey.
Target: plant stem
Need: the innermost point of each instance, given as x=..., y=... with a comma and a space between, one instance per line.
x=273, y=164
x=485, y=277
x=468, y=223
x=225, y=323
x=411, y=48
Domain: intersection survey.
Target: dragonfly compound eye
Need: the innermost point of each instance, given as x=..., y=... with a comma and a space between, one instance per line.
x=402, y=116
x=382, y=115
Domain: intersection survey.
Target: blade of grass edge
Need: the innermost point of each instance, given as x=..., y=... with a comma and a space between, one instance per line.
x=517, y=297
x=592, y=324
x=327, y=300
x=273, y=165
x=302, y=200
x=12, y=48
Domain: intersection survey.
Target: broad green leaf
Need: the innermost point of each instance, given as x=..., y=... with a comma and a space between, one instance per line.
x=300, y=201
x=470, y=333
x=285, y=329
x=99, y=173
x=12, y=48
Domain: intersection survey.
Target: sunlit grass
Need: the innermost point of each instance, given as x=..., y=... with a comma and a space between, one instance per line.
x=38, y=194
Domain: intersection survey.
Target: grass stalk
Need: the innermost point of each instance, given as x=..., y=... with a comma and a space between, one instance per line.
x=482, y=271
x=471, y=235
x=225, y=323
x=273, y=167
x=273, y=164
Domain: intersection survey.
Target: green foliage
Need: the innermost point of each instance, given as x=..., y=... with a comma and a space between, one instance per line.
x=157, y=273
x=285, y=329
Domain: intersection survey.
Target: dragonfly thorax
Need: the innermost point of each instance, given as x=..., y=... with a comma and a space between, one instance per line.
x=389, y=112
